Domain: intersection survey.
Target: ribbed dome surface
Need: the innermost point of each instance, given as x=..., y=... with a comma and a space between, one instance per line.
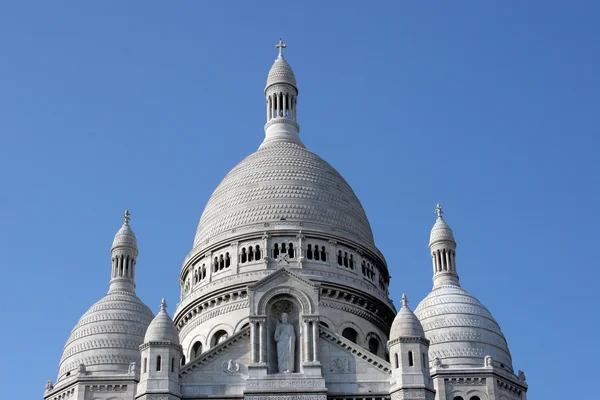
x=125, y=238
x=107, y=337
x=281, y=184
x=162, y=329
x=406, y=324
x=461, y=330
x=441, y=232
x=281, y=72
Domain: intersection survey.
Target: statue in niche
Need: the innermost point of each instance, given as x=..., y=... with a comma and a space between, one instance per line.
x=286, y=341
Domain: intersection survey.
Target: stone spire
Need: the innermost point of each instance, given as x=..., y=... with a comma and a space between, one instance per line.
x=124, y=253
x=281, y=93
x=443, y=251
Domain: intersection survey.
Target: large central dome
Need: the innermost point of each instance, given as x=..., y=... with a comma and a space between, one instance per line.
x=283, y=181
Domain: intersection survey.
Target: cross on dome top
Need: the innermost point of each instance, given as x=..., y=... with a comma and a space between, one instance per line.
x=280, y=45
x=438, y=210
x=126, y=217
x=404, y=300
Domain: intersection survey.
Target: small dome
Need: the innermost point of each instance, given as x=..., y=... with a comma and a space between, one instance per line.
x=281, y=72
x=406, y=323
x=162, y=329
x=461, y=331
x=441, y=232
x=108, y=336
x=125, y=236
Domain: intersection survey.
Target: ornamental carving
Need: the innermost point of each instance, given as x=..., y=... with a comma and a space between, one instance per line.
x=340, y=365
x=285, y=383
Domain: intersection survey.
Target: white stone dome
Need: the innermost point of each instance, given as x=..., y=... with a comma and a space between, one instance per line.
x=283, y=183
x=162, y=329
x=460, y=329
x=107, y=337
x=441, y=232
x=406, y=323
x=281, y=72
x=125, y=238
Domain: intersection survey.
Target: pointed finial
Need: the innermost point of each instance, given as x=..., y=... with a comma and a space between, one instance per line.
x=438, y=210
x=126, y=217
x=163, y=305
x=280, y=45
x=404, y=300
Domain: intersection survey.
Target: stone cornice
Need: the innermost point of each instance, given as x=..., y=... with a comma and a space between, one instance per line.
x=161, y=344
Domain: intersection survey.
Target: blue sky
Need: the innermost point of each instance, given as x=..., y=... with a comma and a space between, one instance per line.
x=490, y=108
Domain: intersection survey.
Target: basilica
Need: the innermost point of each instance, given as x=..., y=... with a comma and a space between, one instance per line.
x=284, y=296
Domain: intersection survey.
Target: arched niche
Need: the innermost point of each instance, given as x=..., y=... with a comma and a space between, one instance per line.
x=293, y=307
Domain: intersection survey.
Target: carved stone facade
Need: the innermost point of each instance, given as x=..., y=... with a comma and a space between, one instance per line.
x=284, y=296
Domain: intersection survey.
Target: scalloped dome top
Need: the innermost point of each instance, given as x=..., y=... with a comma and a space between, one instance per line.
x=125, y=238
x=281, y=72
x=460, y=329
x=441, y=232
x=108, y=336
x=283, y=185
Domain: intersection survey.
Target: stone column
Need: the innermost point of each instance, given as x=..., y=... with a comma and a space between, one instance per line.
x=300, y=249
x=265, y=249
x=305, y=342
x=253, y=341
x=262, y=341
x=447, y=253
x=315, y=337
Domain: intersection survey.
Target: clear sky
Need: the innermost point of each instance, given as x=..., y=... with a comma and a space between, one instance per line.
x=490, y=108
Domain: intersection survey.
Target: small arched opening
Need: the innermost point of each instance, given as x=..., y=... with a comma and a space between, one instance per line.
x=350, y=334
x=219, y=337
x=196, y=349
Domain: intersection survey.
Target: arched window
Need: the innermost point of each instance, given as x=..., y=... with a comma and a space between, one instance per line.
x=351, y=261
x=373, y=345
x=350, y=334
x=396, y=360
x=291, y=250
x=323, y=255
x=410, y=359
x=309, y=252
x=196, y=349
x=183, y=360
x=173, y=364
x=475, y=398
x=346, y=259
x=244, y=256
x=227, y=260
x=323, y=324
x=424, y=359
x=257, y=255
x=145, y=365
x=458, y=398
x=276, y=250
x=158, y=362
x=219, y=337
x=339, y=257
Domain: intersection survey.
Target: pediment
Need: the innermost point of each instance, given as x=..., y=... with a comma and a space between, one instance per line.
x=283, y=282
x=282, y=275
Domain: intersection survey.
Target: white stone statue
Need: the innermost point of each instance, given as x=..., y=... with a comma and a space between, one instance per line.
x=286, y=342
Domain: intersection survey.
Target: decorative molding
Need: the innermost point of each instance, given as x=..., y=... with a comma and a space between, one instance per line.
x=465, y=381
x=286, y=384
x=106, y=388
